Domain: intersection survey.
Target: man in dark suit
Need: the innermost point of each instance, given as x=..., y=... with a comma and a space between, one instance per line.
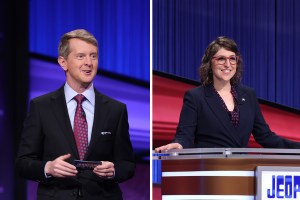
x=60, y=129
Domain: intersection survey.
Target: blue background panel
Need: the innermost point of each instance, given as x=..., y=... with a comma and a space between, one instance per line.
x=122, y=29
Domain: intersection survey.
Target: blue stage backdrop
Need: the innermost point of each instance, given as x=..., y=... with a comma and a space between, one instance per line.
x=267, y=32
x=121, y=27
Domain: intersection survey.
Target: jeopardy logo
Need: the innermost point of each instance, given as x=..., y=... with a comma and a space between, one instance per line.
x=278, y=183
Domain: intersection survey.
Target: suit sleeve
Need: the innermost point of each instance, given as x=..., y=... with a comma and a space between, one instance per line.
x=123, y=154
x=264, y=136
x=28, y=162
x=186, y=129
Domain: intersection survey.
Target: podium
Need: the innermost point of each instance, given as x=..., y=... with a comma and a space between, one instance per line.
x=229, y=173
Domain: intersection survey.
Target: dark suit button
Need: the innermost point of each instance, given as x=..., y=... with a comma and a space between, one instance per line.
x=74, y=193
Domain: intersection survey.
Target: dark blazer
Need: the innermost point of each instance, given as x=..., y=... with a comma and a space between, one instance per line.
x=204, y=123
x=48, y=134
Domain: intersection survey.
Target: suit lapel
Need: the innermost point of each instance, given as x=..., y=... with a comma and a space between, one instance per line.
x=214, y=103
x=100, y=117
x=242, y=99
x=59, y=107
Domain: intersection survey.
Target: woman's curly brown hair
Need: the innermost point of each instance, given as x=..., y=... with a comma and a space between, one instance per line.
x=206, y=73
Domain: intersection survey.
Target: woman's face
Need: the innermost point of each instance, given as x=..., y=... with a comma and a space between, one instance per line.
x=224, y=64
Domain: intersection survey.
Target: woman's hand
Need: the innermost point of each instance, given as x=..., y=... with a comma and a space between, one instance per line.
x=168, y=147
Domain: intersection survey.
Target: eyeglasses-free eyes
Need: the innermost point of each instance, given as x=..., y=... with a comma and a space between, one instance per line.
x=222, y=59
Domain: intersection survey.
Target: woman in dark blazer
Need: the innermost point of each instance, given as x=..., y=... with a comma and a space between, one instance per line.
x=222, y=112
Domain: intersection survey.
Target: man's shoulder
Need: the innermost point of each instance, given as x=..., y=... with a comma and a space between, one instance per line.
x=108, y=99
x=48, y=96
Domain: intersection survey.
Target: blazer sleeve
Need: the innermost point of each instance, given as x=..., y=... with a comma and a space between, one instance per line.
x=264, y=136
x=28, y=162
x=186, y=129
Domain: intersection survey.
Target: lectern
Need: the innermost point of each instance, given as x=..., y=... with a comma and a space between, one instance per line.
x=230, y=173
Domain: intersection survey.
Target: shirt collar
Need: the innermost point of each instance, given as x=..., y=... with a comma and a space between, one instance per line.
x=89, y=93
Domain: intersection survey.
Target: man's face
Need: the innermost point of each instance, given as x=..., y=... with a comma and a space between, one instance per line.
x=81, y=65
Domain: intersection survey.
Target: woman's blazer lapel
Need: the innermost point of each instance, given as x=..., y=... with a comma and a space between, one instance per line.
x=213, y=102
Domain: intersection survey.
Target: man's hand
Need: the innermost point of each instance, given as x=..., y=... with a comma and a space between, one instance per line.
x=105, y=170
x=168, y=147
x=60, y=168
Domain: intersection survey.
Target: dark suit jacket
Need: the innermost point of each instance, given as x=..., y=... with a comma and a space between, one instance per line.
x=204, y=123
x=48, y=134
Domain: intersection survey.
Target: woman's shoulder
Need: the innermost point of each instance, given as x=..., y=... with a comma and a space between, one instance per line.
x=196, y=90
x=245, y=88
x=246, y=92
x=202, y=90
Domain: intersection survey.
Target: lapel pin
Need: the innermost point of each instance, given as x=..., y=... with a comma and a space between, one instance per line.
x=243, y=99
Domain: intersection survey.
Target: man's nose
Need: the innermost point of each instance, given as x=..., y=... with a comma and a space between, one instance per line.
x=88, y=60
